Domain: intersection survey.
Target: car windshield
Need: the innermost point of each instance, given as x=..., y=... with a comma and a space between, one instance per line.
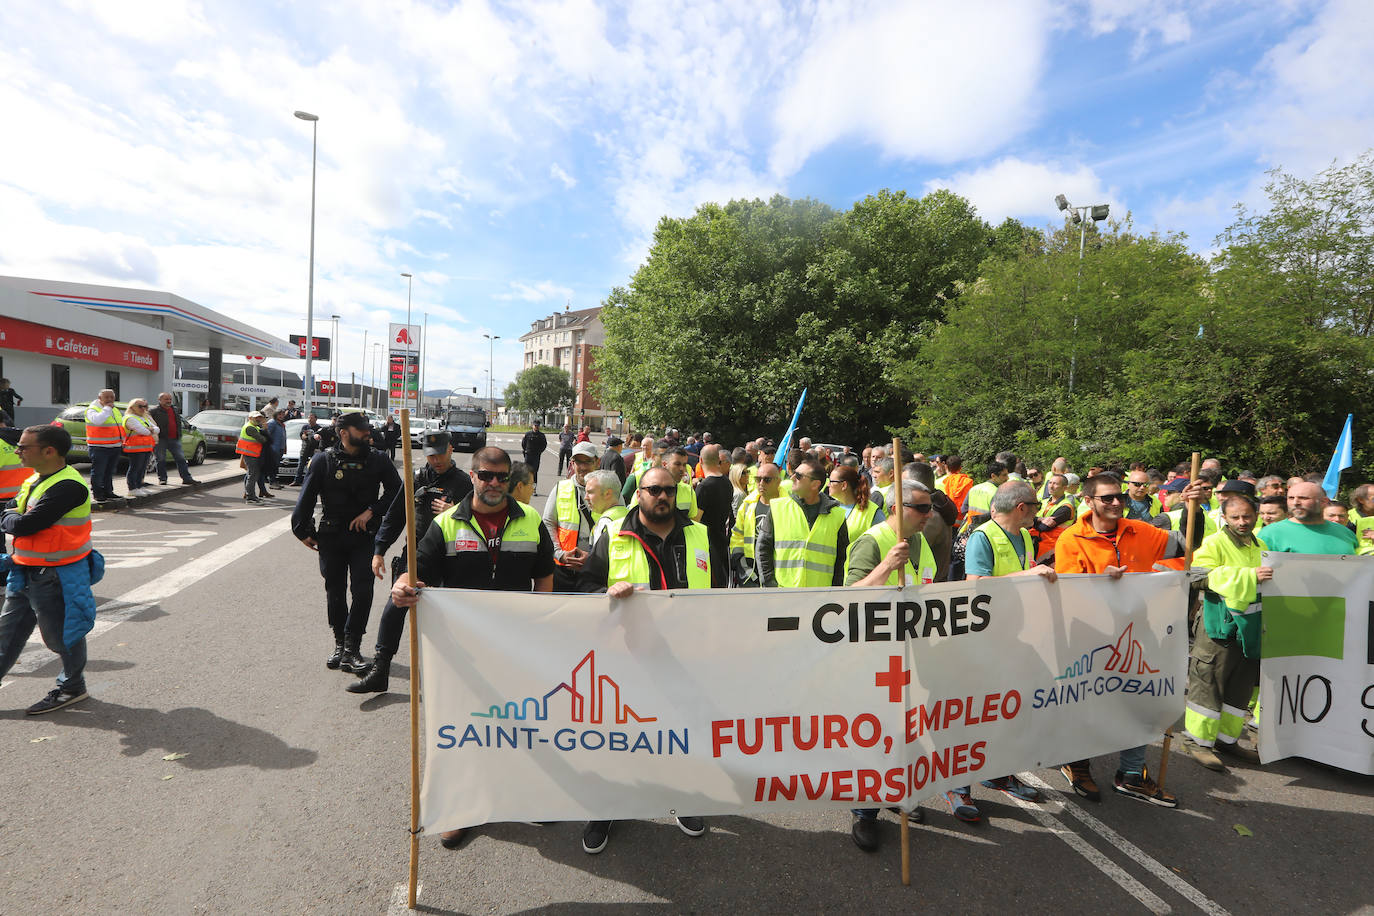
x=466, y=418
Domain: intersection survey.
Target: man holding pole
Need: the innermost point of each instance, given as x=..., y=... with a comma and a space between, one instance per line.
x=487, y=541
x=1102, y=541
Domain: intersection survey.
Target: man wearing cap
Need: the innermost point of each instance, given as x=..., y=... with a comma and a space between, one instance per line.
x=355, y=484
x=569, y=519
x=104, y=443
x=611, y=459
x=532, y=446
x=439, y=485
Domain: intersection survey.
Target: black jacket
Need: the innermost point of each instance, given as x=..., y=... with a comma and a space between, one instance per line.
x=455, y=483
x=669, y=556
x=159, y=415
x=344, y=498
x=512, y=571
x=533, y=445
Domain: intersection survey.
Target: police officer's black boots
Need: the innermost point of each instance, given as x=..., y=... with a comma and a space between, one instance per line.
x=333, y=661
x=375, y=676
x=351, y=661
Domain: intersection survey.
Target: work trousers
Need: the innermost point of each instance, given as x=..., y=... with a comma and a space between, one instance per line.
x=40, y=602
x=103, y=461
x=252, y=478
x=346, y=565
x=1221, y=681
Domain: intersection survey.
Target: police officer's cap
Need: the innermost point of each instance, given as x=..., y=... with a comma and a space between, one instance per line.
x=354, y=418
x=436, y=443
x=1243, y=487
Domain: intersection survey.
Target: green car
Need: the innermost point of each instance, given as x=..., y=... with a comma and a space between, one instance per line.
x=73, y=419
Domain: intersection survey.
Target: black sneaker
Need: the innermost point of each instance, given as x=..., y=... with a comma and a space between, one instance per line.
x=692, y=826
x=595, y=836
x=452, y=839
x=56, y=699
x=865, y=833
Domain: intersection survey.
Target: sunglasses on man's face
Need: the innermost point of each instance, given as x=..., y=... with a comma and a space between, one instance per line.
x=657, y=490
x=489, y=476
x=765, y=478
x=919, y=507
x=1112, y=498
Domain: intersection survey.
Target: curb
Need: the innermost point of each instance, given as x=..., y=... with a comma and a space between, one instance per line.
x=164, y=494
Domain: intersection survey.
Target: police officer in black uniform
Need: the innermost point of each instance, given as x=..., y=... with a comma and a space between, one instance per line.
x=355, y=484
x=438, y=486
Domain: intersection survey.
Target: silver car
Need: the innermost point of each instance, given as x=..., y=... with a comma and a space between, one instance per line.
x=286, y=468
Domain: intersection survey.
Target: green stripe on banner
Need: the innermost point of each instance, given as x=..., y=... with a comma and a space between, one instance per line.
x=1303, y=626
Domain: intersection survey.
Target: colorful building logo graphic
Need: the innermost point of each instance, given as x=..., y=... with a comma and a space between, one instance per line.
x=1125, y=656
x=592, y=698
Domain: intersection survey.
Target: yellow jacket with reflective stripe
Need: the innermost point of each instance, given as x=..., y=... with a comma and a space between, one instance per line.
x=885, y=536
x=67, y=540
x=12, y=472
x=1004, y=558
x=628, y=561
x=860, y=521
x=804, y=557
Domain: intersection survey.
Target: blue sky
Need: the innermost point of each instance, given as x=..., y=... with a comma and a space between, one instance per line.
x=515, y=157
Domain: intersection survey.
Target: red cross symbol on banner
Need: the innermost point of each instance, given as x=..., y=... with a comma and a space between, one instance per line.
x=894, y=678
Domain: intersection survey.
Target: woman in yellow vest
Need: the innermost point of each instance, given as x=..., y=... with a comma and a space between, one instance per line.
x=140, y=435
x=850, y=490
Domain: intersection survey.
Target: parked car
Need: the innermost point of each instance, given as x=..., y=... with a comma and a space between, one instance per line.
x=286, y=468
x=836, y=451
x=73, y=419
x=221, y=428
x=418, y=429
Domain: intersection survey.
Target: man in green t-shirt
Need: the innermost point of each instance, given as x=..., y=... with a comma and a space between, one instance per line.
x=1305, y=531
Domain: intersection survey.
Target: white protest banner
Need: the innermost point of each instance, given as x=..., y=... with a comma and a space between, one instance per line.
x=1317, y=668
x=569, y=707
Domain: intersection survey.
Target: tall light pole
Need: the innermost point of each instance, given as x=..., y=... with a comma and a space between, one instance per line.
x=491, y=382
x=1097, y=212
x=405, y=388
x=424, y=357
x=376, y=388
x=362, y=371
x=310, y=296
x=334, y=357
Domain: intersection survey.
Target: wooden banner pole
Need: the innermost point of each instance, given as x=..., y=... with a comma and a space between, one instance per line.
x=901, y=582
x=1187, y=563
x=412, y=576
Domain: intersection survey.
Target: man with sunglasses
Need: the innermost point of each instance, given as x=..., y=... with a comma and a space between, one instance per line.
x=802, y=542
x=1141, y=504
x=355, y=484
x=1103, y=541
x=1001, y=546
x=654, y=547
x=743, y=565
x=488, y=541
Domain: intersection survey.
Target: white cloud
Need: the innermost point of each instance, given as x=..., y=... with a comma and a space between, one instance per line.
x=924, y=81
x=1015, y=187
x=1167, y=19
x=542, y=291
x=556, y=171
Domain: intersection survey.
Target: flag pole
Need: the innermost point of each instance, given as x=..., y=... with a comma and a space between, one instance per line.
x=412, y=574
x=901, y=583
x=1187, y=562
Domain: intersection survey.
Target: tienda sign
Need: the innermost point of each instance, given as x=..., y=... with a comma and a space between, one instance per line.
x=36, y=338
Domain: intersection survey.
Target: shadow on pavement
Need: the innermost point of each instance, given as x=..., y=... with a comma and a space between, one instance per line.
x=208, y=741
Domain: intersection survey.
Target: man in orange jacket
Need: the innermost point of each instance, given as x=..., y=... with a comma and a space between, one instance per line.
x=1103, y=541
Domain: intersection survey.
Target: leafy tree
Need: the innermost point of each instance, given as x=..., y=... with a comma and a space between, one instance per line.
x=540, y=390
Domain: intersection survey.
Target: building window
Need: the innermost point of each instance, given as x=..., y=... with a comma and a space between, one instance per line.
x=61, y=384
x=112, y=381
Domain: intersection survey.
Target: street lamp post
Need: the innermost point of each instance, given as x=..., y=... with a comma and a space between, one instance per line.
x=405, y=386
x=376, y=387
x=334, y=358
x=1097, y=212
x=310, y=296
x=491, y=396
x=362, y=371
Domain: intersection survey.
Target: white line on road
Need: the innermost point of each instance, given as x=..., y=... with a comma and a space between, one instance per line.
x=398, y=899
x=1146, y=897
x=137, y=600
x=1155, y=867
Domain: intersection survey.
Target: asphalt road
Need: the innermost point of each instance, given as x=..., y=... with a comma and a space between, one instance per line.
x=292, y=795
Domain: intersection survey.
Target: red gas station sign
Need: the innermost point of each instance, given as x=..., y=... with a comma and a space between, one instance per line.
x=326, y=386
x=36, y=338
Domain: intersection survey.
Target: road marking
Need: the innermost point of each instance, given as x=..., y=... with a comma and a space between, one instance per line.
x=1146, y=897
x=137, y=600
x=127, y=548
x=1161, y=871
x=399, y=894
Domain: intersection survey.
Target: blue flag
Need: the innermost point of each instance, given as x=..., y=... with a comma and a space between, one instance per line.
x=1341, y=459
x=787, y=436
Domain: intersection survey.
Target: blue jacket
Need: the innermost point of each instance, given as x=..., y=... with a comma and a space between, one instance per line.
x=276, y=434
x=77, y=579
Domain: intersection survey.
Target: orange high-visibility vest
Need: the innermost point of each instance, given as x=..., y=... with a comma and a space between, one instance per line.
x=105, y=435
x=569, y=516
x=65, y=541
x=249, y=448
x=141, y=441
x=12, y=472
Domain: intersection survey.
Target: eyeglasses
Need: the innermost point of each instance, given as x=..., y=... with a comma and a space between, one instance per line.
x=833, y=481
x=22, y=448
x=1138, y=483
x=797, y=476
x=919, y=507
x=657, y=490
x=489, y=476
x=1112, y=498
x=765, y=478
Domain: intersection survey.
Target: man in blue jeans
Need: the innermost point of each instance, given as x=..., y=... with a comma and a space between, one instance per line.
x=169, y=425
x=51, y=566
